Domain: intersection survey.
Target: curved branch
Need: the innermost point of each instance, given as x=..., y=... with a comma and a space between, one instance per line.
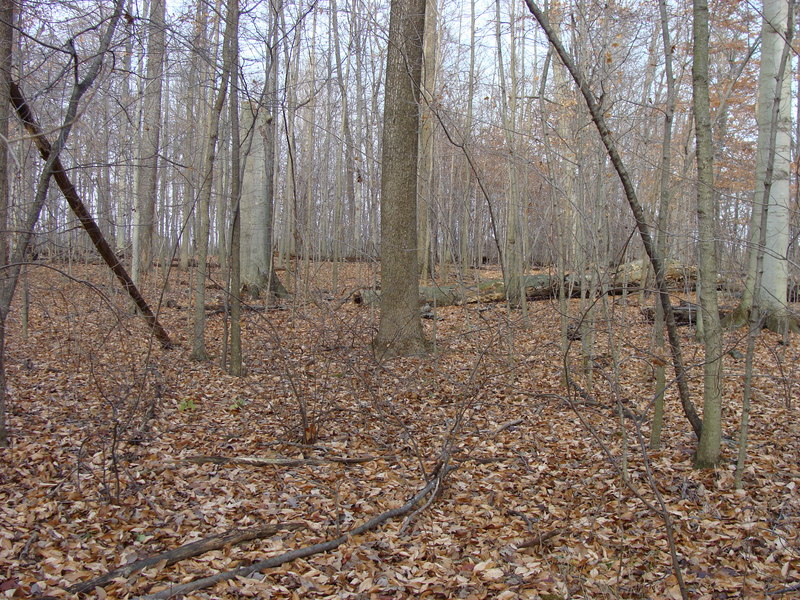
x=636, y=208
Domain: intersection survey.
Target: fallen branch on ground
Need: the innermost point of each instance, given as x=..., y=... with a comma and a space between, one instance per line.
x=786, y=590
x=542, y=538
x=258, y=461
x=507, y=425
x=206, y=582
x=234, y=537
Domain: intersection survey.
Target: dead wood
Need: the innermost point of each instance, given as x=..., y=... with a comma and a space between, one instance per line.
x=786, y=590
x=258, y=461
x=542, y=538
x=685, y=313
x=537, y=287
x=25, y=114
x=627, y=278
x=216, y=309
x=432, y=485
x=234, y=537
x=507, y=425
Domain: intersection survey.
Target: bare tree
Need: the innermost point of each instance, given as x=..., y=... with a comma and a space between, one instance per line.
x=147, y=183
x=235, y=279
x=207, y=184
x=52, y=166
x=710, y=438
x=400, y=328
x=6, y=46
x=631, y=196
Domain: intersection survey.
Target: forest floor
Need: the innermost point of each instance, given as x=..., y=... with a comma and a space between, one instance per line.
x=104, y=423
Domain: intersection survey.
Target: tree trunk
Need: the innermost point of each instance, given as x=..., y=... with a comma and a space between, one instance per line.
x=147, y=183
x=6, y=47
x=195, y=105
x=427, y=140
x=773, y=86
x=708, y=450
x=400, y=328
x=235, y=287
x=636, y=208
x=663, y=220
x=207, y=183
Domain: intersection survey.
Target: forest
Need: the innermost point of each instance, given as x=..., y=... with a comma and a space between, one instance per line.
x=386, y=299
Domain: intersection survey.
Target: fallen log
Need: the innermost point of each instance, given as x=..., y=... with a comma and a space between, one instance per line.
x=537, y=287
x=234, y=537
x=629, y=277
x=685, y=313
x=635, y=273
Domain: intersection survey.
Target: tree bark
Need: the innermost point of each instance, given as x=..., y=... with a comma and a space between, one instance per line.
x=216, y=542
x=6, y=47
x=774, y=91
x=427, y=139
x=235, y=287
x=708, y=449
x=209, y=157
x=400, y=328
x=663, y=219
x=147, y=183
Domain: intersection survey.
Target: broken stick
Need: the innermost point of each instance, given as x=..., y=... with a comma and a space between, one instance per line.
x=258, y=461
x=236, y=536
x=276, y=561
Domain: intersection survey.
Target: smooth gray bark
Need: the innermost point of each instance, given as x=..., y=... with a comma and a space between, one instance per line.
x=207, y=183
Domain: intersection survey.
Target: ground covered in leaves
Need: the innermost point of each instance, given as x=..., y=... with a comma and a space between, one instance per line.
x=111, y=436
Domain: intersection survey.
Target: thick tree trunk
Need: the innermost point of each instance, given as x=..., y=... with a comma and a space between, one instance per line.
x=774, y=112
x=400, y=328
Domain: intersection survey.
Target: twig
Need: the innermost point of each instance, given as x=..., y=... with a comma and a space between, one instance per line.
x=524, y=517
x=258, y=461
x=23, y=555
x=276, y=561
x=237, y=536
x=505, y=426
x=786, y=590
x=542, y=538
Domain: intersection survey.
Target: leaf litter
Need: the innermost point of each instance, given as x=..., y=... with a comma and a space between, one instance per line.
x=108, y=429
